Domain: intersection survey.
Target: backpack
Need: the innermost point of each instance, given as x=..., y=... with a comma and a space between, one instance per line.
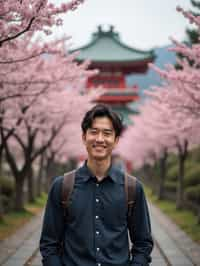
x=129, y=185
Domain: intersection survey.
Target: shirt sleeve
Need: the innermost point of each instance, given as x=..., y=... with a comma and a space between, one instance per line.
x=140, y=230
x=53, y=227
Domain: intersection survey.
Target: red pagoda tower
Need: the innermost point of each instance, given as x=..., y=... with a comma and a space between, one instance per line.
x=114, y=60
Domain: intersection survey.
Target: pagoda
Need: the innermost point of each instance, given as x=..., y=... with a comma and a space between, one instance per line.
x=114, y=60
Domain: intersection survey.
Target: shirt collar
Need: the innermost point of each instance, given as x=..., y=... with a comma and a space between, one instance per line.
x=113, y=173
x=86, y=174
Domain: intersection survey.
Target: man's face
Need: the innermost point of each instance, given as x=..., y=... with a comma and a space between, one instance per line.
x=100, y=139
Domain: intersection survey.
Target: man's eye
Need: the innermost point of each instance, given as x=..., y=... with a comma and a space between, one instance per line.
x=93, y=131
x=107, y=133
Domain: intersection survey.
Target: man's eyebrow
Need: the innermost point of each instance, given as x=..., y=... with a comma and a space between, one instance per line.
x=104, y=129
x=110, y=130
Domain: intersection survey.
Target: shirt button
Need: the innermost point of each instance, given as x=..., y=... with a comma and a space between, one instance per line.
x=97, y=217
x=97, y=232
x=98, y=249
x=98, y=264
x=97, y=200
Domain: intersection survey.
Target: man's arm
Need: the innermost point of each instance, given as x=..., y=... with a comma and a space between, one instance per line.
x=140, y=230
x=53, y=227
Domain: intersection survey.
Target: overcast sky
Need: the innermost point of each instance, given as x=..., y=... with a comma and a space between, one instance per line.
x=142, y=24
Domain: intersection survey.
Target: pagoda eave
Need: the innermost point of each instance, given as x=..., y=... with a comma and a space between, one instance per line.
x=124, y=67
x=117, y=99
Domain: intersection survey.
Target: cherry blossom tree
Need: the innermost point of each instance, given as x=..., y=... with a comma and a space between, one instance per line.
x=20, y=17
x=40, y=85
x=44, y=122
x=169, y=121
x=157, y=131
x=21, y=57
x=31, y=78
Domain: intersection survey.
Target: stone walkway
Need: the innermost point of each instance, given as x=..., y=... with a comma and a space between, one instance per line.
x=172, y=245
x=15, y=250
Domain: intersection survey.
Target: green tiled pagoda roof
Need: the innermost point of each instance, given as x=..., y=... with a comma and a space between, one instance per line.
x=106, y=46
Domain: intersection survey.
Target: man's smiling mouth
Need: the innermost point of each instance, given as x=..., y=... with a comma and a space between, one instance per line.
x=98, y=146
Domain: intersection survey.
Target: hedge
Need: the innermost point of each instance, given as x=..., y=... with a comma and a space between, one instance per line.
x=192, y=176
x=193, y=193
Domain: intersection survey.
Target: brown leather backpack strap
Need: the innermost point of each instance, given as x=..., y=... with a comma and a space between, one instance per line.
x=126, y=187
x=130, y=190
x=67, y=187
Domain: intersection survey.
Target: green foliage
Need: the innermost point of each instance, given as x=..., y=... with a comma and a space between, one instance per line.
x=192, y=176
x=7, y=203
x=7, y=186
x=195, y=4
x=172, y=172
x=171, y=186
x=172, y=160
x=39, y=202
x=7, y=193
x=192, y=170
x=195, y=154
x=192, y=35
x=193, y=193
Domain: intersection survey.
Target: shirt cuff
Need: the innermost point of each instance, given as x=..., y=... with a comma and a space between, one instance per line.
x=139, y=260
x=52, y=260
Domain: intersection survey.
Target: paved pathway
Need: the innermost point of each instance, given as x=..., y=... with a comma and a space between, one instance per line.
x=172, y=245
x=16, y=249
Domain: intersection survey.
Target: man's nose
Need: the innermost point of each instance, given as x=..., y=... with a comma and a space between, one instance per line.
x=100, y=137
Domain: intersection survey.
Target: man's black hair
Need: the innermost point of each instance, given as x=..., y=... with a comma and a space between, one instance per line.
x=102, y=110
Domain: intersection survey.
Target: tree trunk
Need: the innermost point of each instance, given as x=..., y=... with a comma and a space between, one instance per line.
x=40, y=176
x=1, y=205
x=39, y=185
x=19, y=179
x=198, y=215
x=30, y=177
x=1, y=174
x=1, y=161
x=50, y=172
x=180, y=188
x=162, y=163
x=48, y=176
x=181, y=174
x=19, y=194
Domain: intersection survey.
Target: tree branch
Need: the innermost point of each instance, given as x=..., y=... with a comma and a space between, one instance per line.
x=18, y=34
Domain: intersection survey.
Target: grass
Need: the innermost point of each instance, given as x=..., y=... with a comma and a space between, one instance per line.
x=37, y=205
x=16, y=219
x=185, y=219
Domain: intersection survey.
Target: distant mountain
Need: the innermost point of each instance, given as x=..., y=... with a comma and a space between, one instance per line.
x=145, y=81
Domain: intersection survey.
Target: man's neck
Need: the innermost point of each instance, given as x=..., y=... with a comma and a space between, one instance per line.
x=99, y=168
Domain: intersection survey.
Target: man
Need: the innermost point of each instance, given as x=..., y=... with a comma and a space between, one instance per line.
x=95, y=232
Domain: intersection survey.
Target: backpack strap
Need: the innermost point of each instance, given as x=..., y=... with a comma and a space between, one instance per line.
x=130, y=191
x=67, y=187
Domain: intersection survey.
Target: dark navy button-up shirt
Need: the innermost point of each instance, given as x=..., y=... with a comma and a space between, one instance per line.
x=95, y=232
